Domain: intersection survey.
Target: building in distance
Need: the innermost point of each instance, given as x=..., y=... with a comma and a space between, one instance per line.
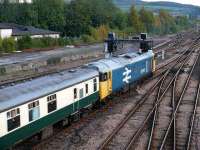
x=17, y=31
x=18, y=1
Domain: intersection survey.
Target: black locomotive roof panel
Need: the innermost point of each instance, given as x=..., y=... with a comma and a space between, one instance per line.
x=21, y=93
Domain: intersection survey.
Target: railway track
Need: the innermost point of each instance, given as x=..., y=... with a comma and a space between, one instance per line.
x=59, y=133
x=163, y=69
x=61, y=136
x=192, y=120
x=42, y=72
x=54, y=69
x=129, y=120
x=164, y=120
x=185, y=105
x=175, y=136
x=40, y=144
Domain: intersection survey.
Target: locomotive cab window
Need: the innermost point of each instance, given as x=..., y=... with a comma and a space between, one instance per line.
x=95, y=84
x=34, y=110
x=103, y=76
x=52, y=104
x=13, y=119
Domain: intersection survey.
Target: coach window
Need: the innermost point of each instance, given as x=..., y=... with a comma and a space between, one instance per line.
x=81, y=93
x=86, y=88
x=13, y=119
x=95, y=84
x=75, y=93
x=34, y=110
x=52, y=104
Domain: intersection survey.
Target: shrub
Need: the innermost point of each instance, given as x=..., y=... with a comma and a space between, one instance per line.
x=100, y=33
x=49, y=42
x=1, y=50
x=87, y=39
x=24, y=43
x=8, y=45
x=37, y=43
x=64, y=41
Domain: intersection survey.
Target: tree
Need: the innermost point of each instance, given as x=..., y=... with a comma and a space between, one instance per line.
x=100, y=33
x=26, y=15
x=147, y=18
x=168, y=24
x=77, y=22
x=134, y=21
x=8, y=11
x=157, y=25
x=50, y=14
x=81, y=15
x=119, y=20
x=182, y=22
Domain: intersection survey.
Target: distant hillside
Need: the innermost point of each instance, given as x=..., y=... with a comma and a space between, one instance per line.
x=174, y=8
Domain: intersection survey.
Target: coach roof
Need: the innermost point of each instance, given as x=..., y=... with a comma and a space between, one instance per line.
x=21, y=93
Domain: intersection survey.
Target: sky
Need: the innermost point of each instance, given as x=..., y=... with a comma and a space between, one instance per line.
x=193, y=2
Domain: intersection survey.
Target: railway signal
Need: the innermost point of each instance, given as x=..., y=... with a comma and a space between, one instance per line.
x=112, y=43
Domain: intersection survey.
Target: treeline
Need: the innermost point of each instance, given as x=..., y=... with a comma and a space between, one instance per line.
x=89, y=20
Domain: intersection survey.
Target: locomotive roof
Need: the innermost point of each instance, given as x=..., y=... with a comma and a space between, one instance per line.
x=113, y=63
x=21, y=93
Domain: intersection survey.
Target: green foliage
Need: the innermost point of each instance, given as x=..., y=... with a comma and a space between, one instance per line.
x=87, y=38
x=85, y=21
x=77, y=22
x=134, y=21
x=8, y=45
x=44, y=42
x=37, y=43
x=81, y=15
x=147, y=19
x=1, y=50
x=50, y=14
x=119, y=20
x=24, y=43
x=27, y=42
x=182, y=22
x=167, y=22
x=49, y=42
x=63, y=41
x=100, y=33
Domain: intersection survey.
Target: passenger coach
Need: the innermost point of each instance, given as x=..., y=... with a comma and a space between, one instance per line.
x=29, y=107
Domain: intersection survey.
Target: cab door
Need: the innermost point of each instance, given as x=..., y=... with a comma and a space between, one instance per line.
x=105, y=88
x=110, y=82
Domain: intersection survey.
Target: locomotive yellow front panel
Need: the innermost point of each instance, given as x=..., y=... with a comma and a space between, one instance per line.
x=105, y=88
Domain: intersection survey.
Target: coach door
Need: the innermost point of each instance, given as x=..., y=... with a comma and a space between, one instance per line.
x=76, y=104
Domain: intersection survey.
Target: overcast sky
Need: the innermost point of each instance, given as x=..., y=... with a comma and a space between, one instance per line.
x=193, y=2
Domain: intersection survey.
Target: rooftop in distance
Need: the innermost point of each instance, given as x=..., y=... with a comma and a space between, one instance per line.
x=16, y=31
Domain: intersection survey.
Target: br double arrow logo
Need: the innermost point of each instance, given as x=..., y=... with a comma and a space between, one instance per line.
x=127, y=75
